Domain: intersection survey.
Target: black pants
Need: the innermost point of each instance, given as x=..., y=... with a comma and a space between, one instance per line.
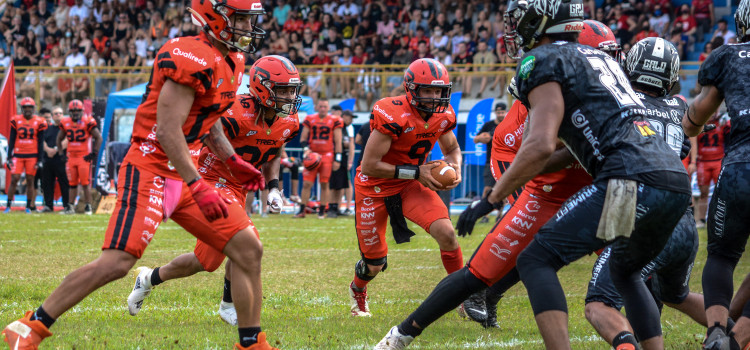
x=54, y=169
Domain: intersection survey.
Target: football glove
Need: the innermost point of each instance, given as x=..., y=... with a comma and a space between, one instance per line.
x=685, y=150
x=211, y=203
x=250, y=178
x=89, y=157
x=473, y=212
x=275, y=202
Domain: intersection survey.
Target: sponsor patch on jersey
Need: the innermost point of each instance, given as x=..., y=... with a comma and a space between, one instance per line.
x=527, y=65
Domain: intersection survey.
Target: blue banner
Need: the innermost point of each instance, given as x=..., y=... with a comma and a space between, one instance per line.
x=455, y=102
x=348, y=104
x=479, y=114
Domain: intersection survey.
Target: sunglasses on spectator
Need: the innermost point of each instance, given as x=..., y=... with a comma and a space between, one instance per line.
x=56, y=113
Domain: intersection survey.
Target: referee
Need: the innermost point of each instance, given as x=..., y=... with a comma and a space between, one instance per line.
x=54, y=167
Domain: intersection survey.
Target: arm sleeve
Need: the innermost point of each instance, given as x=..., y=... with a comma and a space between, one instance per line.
x=40, y=142
x=12, y=139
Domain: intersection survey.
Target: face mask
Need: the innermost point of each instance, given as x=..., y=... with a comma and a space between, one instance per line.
x=613, y=26
x=172, y=4
x=68, y=34
x=657, y=13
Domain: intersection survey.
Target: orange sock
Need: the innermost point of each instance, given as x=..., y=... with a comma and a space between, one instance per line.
x=452, y=260
x=360, y=283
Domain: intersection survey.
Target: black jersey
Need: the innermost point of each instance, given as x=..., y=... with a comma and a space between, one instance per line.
x=605, y=125
x=665, y=115
x=728, y=69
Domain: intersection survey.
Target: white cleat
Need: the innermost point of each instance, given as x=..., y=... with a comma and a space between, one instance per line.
x=228, y=313
x=141, y=289
x=360, y=306
x=394, y=340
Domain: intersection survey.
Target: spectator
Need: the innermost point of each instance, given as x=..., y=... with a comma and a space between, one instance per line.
x=422, y=52
x=482, y=23
x=173, y=10
x=79, y=10
x=277, y=43
x=427, y=12
x=314, y=23
x=142, y=42
x=76, y=58
x=345, y=60
x=314, y=80
x=346, y=27
x=347, y=10
x=84, y=42
x=438, y=40
x=141, y=22
x=22, y=59
x=108, y=29
x=97, y=63
x=365, y=32
x=463, y=57
x=359, y=56
x=464, y=23
x=385, y=56
x=159, y=41
x=150, y=57
x=17, y=31
x=309, y=46
x=442, y=23
x=33, y=46
x=333, y=44
x=294, y=23
x=157, y=26
x=386, y=27
x=60, y=14
x=688, y=23
x=646, y=32
x=187, y=28
x=4, y=59
x=54, y=164
x=36, y=26
x=485, y=136
x=676, y=40
x=295, y=42
x=42, y=11
x=325, y=26
x=623, y=24
x=703, y=12
x=444, y=57
x=123, y=32
x=456, y=39
x=368, y=87
x=281, y=13
x=659, y=21
x=418, y=38
x=101, y=43
x=483, y=56
x=294, y=57
x=724, y=32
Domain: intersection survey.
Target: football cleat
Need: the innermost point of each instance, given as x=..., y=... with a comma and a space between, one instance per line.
x=333, y=214
x=394, y=340
x=719, y=340
x=262, y=344
x=475, y=307
x=300, y=215
x=228, y=313
x=626, y=346
x=491, y=321
x=88, y=210
x=27, y=211
x=25, y=334
x=360, y=306
x=7, y=210
x=68, y=211
x=141, y=289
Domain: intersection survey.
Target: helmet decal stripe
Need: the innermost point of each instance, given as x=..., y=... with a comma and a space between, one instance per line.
x=433, y=69
x=658, y=48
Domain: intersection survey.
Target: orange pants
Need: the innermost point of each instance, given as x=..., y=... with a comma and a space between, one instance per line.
x=145, y=199
x=707, y=172
x=326, y=165
x=420, y=205
x=24, y=165
x=79, y=171
x=497, y=254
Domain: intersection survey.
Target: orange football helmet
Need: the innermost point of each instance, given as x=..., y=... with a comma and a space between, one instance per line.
x=269, y=73
x=600, y=37
x=214, y=18
x=427, y=72
x=28, y=102
x=75, y=109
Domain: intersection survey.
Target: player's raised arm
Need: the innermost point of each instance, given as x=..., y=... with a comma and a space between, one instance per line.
x=542, y=126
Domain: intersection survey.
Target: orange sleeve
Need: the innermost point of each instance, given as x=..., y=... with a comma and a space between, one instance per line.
x=185, y=62
x=382, y=121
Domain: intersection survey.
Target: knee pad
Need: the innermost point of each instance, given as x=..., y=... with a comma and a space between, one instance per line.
x=363, y=272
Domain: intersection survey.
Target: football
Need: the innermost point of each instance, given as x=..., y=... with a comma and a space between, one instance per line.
x=444, y=173
x=312, y=161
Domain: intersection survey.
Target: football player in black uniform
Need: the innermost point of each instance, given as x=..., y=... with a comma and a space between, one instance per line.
x=640, y=189
x=653, y=67
x=724, y=77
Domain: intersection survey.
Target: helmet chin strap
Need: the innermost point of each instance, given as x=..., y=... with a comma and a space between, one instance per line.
x=538, y=34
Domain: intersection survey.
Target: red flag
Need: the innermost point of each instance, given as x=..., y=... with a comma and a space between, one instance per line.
x=7, y=110
x=7, y=100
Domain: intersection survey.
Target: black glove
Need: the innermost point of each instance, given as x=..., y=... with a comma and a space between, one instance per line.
x=473, y=212
x=708, y=127
x=685, y=151
x=39, y=164
x=89, y=157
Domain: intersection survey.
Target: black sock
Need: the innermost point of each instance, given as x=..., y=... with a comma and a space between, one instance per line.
x=302, y=208
x=334, y=207
x=624, y=337
x=28, y=203
x=155, y=278
x=321, y=209
x=43, y=317
x=8, y=203
x=248, y=336
x=227, y=298
x=407, y=328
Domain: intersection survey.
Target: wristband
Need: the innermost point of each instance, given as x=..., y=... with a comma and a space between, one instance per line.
x=407, y=172
x=272, y=184
x=691, y=120
x=337, y=157
x=193, y=181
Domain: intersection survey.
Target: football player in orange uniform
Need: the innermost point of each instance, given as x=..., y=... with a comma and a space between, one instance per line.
x=78, y=129
x=25, y=151
x=258, y=125
x=321, y=133
x=193, y=82
x=394, y=181
x=710, y=152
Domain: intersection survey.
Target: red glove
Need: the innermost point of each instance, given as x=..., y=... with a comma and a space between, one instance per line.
x=211, y=203
x=246, y=173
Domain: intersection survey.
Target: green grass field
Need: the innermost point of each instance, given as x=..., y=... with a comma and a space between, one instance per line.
x=306, y=269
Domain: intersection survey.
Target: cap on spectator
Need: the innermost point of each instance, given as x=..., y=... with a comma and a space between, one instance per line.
x=501, y=106
x=336, y=108
x=347, y=113
x=387, y=47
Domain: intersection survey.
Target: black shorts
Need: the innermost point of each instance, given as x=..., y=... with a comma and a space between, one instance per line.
x=340, y=178
x=728, y=218
x=669, y=271
x=571, y=233
x=489, y=180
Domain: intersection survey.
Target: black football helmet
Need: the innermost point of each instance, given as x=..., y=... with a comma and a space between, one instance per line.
x=653, y=64
x=526, y=21
x=742, y=21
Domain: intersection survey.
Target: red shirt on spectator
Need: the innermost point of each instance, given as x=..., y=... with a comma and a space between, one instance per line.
x=688, y=22
x=317, y=60
x=622, y=22
x=292, y=25
x=702, y=8
x=102, y=45
x=359, y=59
x=644, y=34
x=314, y=26
x=414, y=42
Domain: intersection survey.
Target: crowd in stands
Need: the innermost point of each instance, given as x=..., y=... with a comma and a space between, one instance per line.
x=118, y=33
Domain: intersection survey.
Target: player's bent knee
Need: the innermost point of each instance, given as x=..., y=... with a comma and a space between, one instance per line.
x=367, y=269
x=244, y=249
x=443, y=232
x=592, y=309
x=114, y=264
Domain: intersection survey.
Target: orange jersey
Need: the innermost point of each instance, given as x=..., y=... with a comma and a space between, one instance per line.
x=27, y=135
x=194, y=62
x=78, y=134
x=320, y=137
x=711, y=143
x=255, y=142
x=508, y=134
x=412, y=139
x=555, y=187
